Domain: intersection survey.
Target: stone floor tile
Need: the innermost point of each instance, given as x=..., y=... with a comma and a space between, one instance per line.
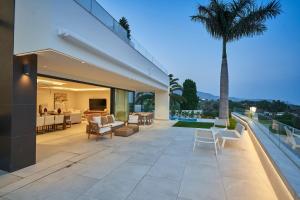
x=170, y=167
x=152, y=188
x=111, y=188
x=157, y=163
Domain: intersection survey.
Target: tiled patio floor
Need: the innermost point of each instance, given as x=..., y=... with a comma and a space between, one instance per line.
x=156, y=164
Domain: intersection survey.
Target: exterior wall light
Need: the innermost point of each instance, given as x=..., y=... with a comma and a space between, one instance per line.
x=26, y=69
x=253, y=114
x=253, y=109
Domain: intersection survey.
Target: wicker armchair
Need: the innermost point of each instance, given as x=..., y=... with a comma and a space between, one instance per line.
x=95, y=129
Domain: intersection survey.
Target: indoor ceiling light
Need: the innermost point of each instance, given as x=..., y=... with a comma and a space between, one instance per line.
x=50, y=82
x=75, y=89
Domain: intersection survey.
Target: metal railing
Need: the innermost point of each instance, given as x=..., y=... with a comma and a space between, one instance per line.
x=95, y=9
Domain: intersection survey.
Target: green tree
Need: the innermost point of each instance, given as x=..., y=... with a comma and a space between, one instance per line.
x=124, y=23
x=230, y=21
x=189, y=92
x=175, y=98
x=146, y=99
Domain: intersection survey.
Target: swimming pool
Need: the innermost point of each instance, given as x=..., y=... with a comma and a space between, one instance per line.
x=192, y=119
x=184, y=119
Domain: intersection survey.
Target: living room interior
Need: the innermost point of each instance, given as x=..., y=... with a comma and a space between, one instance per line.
x=61, y=97
x=76, y=103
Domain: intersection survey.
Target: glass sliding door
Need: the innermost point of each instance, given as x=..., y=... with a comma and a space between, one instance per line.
x=131, y=99
x=121, y=105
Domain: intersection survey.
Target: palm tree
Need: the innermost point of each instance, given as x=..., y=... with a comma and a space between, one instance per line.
x=174, y=86
x=230, y=22
x=124, y=23
x=144, y=96
x=146, y=99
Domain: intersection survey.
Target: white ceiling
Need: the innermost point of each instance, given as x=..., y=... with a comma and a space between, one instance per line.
x=50, y=83
x=58, y=65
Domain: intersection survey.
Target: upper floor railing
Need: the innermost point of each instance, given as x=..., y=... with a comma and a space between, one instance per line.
x=94, y=8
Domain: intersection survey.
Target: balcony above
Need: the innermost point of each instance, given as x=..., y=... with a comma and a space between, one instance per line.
x=85, y=31
x=95, y=9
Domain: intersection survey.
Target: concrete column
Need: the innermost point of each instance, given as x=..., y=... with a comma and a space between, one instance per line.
x=162, y=105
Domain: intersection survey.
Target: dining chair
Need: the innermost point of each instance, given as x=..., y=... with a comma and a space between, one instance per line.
x=40, y=123
x=49, y=122
x=59, y=121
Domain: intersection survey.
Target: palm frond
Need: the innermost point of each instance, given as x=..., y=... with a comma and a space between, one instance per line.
x=173, y=89
x=253, y=21
x=231, y=21
x=174, y=81
x=175, y=98
x=143, y=97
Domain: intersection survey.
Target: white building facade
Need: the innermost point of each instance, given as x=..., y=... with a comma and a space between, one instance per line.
x=74, y=40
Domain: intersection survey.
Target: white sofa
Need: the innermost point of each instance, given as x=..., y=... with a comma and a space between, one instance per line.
x=75, y=117
x=114, y=125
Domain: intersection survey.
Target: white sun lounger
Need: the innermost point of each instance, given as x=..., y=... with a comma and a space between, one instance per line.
x=232, y=135
x=206, y=136
x=292, y=139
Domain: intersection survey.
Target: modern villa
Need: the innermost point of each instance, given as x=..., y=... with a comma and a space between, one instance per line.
x=69, y=71
x=47, y=50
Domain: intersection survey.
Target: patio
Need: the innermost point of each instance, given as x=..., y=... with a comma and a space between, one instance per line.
x=157, y=163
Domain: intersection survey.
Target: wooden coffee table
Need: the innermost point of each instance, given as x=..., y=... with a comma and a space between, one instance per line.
x=126, y=131
x=135, y=127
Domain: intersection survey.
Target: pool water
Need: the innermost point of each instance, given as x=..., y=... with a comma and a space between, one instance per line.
x=184, y=119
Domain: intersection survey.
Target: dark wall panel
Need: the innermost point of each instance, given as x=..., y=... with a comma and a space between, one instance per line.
x=112, y=100
x=18, y=99
x=6, y=74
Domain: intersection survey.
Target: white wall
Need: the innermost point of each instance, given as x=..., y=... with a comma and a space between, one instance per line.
x=162, y=105
x=36, y=28
x=45, y=97
x=82, y=99
x=76, y=100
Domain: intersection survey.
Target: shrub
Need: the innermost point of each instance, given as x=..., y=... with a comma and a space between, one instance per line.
x=232, y=123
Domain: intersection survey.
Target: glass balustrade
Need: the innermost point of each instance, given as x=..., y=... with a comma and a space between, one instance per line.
x=286, y=137
x=95, y=9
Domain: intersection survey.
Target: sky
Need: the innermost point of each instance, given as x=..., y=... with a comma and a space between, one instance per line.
x=262, y=67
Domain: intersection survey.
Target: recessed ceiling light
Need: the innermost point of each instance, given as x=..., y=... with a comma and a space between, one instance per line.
x=45, y=66
x=50, y=82
x=75, y=89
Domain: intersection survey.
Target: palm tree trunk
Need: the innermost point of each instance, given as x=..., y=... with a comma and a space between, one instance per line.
x=224, y=89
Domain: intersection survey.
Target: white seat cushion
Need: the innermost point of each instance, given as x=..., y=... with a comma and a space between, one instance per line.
x=97, y=120
x=229, y=134
x=116, y=123
x=104, y=130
